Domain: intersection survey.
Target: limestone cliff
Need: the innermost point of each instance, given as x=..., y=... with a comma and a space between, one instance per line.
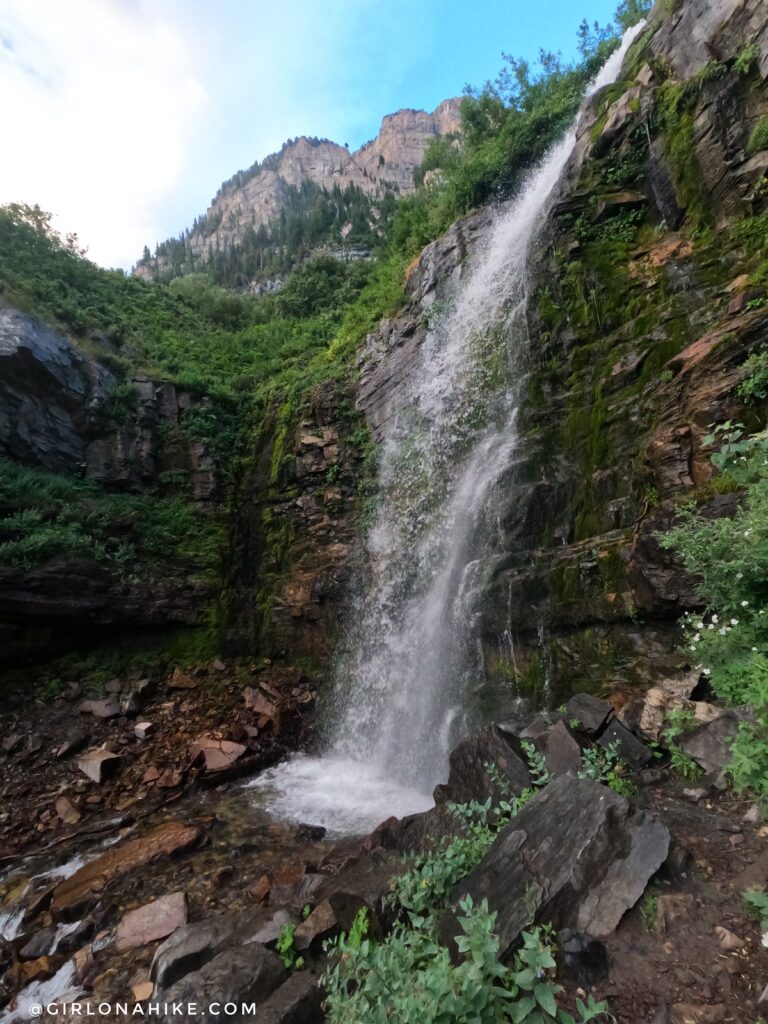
x=254, y=198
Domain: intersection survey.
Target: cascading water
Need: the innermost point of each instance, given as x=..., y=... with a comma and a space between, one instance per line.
x=411, y=650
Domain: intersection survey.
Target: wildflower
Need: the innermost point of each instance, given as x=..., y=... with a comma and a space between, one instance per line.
x=747, y=533
x=734, y=622
x=697, y=637
x=699, y=625
x=739, y=575
x=711, y=625
x=714, y=618
x=722, y=631
x=754, y=649
x=707, y=671
x=693, y=647
x=745, y=604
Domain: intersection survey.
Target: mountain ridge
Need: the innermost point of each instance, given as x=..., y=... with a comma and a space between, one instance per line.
x=253, y=199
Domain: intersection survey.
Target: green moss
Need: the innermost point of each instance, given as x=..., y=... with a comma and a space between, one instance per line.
x=758, y=140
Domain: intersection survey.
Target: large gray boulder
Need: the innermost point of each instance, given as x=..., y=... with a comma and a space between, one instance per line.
x=194, y=945
x=297, y=1001
x=577, y=856
x=230, y=987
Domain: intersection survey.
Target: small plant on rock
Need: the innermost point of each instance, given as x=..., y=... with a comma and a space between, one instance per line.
x=603, y=764
x=649, y=908
x=286, y=948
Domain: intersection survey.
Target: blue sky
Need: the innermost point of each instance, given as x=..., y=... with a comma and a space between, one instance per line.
x=127, y=114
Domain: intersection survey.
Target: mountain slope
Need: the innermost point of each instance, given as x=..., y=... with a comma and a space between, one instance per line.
x=342, y=189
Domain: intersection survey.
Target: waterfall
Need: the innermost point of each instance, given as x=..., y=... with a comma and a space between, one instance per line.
x=411, y=649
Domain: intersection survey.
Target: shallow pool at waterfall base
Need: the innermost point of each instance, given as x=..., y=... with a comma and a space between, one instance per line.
x=346, y=797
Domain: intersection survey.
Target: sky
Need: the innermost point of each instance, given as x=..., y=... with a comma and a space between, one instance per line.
x=122, y=117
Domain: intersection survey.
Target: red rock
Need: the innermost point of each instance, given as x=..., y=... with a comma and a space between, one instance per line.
x=260, y=890
x=154, y=921
x=170, y=777
x=152, y=774
x=99, y=765
x=217, y=754
x=181, y=680
x=219, y=666
x=164, y=841
x=67, y=811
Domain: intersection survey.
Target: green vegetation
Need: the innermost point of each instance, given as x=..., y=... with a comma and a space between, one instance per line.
x=757, y=901
x=43, y=514
x=759, y=138
x=730, y=558
x=286, y=948
x=409, y=976
x=603, y=764
x=649, y=908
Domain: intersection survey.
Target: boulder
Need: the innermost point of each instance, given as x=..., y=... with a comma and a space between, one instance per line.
x=270, y=931
x=181, y=680
x=193, y=945
x=297, y=1001
x=216, y=754
x=590, y=712
x=321, y=924
x=560, y=750
x=240, y=976
x=156, y=920
x=468, y=778
x=41, y=944
x=578, y=853
x=99, y=765
x=164, y=841
x=629, y=747
x=709, y=745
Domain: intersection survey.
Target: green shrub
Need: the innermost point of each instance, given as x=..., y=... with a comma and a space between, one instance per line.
x=409, y=978
x=759, y=137
x=730, y=558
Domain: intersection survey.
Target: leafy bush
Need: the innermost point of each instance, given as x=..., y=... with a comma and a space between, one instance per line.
x=409, y=978
x=759, y=138
x=603, y=764
x=730, y=557
x=757, y=901
x=43, y=515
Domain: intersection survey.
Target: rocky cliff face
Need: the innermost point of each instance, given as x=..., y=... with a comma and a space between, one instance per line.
x=61, y=410
x=638, y=340
x=386, y=163
x=58, y=411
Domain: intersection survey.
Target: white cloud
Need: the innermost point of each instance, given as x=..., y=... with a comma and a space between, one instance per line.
x=101, y=102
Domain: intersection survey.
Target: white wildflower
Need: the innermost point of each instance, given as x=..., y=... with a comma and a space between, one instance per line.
x=714, y=618
x=734, y=622
x=745, y=604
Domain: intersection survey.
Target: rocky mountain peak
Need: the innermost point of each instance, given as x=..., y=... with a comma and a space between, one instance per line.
x=254, y=198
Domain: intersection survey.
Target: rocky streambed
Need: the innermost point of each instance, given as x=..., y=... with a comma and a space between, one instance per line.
x=162, y=879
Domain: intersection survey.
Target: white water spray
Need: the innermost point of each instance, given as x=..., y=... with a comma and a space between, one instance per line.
x=411, y=651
